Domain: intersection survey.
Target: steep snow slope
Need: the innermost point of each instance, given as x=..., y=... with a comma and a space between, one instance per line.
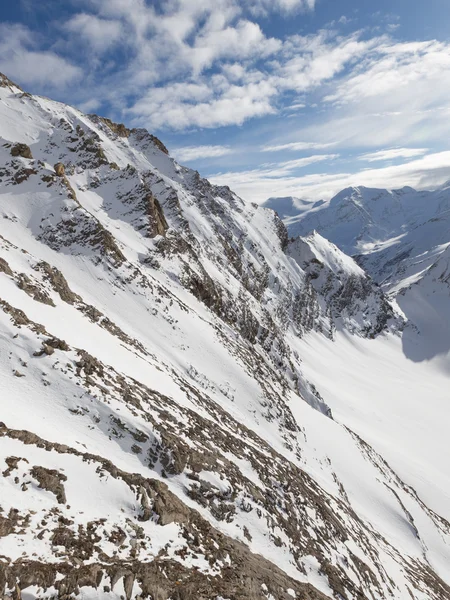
x=164, y=431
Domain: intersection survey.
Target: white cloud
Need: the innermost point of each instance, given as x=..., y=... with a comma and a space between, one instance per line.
x=23, y=61
x=292, y=165
x=90, y=105
x=296, y=106
x=268, y=173
x=186, y=65
x=243, y=40
x=191, y=153
x=392, y=70
x=287, y=6
x=396, y=94
x=393, y=153
x=296, y=146
x=239, y=93
x=217, y=45
x=424, y=173
x=184, y=107
x=100, y=34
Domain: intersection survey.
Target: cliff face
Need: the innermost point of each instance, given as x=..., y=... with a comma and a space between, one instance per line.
x=156, y=419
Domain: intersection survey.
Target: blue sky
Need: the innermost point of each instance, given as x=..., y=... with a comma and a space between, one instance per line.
x=271, y=97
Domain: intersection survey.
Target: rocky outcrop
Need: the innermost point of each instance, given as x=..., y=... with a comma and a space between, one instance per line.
x=157, y=221
x=118, y=128
x=36, y=292
x=352, y=298
x=145, y=139
x=247, y=576
x=60, y=170
x=58, y=282
x=6, y=82
x=21, y=150
x=5, y=268
x=52, y=481
x=252, y=579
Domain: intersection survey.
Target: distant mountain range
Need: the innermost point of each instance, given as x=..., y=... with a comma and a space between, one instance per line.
x=401, y=238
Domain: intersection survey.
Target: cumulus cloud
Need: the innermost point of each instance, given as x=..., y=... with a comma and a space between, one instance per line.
x=191, y=153
x=287, y=6
x=238, y=91
x=230, y=69
x=187, y=106
x=23, y=60
x=100, y=34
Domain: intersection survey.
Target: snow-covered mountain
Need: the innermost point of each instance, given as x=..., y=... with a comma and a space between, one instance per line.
x=401, y=238
x=193, y=405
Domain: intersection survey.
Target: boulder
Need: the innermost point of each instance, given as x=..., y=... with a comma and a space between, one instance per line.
x=60, y=170
x=21, y=150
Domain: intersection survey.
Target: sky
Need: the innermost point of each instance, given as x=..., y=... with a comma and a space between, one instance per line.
x=270, y=97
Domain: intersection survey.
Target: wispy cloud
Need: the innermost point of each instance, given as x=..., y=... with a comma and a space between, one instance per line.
x=392, y=153
x=297, y=146
x=270, y=172
x=191, y=153
x=257, y=185
x=394, y=94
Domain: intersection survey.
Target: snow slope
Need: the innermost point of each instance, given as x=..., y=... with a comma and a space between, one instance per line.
x=180, y=415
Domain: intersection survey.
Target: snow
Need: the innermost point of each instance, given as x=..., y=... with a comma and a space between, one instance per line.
x=396, y=406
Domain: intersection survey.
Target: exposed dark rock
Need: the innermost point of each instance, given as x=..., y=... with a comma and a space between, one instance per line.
x=163, y=579
x=118, y=128
x=5, y=268
x=52, y=481
x=12, y=462
x=50, y=345
x=282, y=232
x=58, y=282
x=157, y=221
x=143, y=136
x=21, y=150
x=33, y=290
x=21, y=174
x=19, y=318
x=106, y=242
